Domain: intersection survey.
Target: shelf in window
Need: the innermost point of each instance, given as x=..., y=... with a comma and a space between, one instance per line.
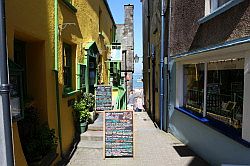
x=70, y=93
x=218, y=126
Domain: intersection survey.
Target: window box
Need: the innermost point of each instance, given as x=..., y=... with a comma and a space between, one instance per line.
x=70, y=93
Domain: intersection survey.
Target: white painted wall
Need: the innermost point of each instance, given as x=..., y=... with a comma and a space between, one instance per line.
x=246, y=101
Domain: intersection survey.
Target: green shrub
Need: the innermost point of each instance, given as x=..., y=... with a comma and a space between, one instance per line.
x=37, y=139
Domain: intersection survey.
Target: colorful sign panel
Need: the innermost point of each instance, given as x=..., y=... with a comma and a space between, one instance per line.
x=118, y=134
x=103, y=98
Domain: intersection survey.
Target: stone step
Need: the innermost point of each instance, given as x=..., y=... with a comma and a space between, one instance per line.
x=90, y=144
x=92, y=135
x=98, y=124
x=95, y=127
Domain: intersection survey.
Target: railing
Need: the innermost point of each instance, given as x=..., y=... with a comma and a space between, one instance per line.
x=223, y=107
x=121, y=99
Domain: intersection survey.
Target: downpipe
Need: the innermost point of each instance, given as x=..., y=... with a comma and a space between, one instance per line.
x=168, y=63
x=6, y=145
x=58, y=111
x=149, y=75
x=162, y=63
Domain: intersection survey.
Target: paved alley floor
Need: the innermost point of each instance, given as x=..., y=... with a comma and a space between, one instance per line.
x=153, y=147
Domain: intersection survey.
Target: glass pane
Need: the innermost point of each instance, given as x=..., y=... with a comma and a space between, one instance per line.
x=225, y=85
x=15, y=95
x=67, y=64
x=193, y=87
x=82, y=76
x=222, y=2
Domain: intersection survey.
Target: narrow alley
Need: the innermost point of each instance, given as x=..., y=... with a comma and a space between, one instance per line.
x=153, y=147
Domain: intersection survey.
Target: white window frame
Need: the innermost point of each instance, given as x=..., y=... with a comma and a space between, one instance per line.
x=209, y=14
x=246, y=97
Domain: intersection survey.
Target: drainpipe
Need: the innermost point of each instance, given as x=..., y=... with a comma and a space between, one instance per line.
x=168, y=62
x=6, y=148
x=162, y=63
x=149, y=82
x=56, y=31
x=153, y=83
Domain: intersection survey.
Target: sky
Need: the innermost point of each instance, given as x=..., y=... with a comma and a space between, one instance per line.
x=117, y=9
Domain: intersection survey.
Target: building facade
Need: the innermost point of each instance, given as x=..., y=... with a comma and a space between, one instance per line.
x=151, y=13
x=125, y=36
x=206, y=46
x=56, y=50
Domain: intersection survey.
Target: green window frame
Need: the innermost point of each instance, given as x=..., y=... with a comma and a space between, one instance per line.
x=67, y=67
x=81, y=76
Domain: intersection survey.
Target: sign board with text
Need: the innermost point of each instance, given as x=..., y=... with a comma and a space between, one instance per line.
x=103, y=97
x=116, y=52
x=118, y=134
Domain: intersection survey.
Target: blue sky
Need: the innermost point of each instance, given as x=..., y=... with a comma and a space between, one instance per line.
x=117, y=10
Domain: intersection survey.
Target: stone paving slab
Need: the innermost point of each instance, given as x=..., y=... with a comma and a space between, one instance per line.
x=153, y=147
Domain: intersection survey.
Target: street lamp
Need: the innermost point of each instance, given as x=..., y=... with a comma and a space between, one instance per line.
x=136, y=58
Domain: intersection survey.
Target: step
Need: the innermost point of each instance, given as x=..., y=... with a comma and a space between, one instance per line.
x=95, y=127
x=98, y=124
x=92, y=135
x=90, y=144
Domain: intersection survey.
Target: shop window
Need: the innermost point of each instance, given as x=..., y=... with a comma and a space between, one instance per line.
x=67, y=67
x=224, y=90
x=225, y=84
x=193, y=87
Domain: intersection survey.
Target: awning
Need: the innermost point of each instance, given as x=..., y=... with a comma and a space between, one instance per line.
x=92, y=49
x=230, y=47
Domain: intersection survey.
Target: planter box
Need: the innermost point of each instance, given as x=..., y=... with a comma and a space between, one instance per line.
x=83, y=126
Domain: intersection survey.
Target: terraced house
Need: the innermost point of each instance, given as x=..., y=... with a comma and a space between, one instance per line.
x=205, y=48
x=55, y=50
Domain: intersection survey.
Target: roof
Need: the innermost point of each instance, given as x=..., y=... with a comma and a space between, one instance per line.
x=92, y=46
x=109, y=11
x=227, y=44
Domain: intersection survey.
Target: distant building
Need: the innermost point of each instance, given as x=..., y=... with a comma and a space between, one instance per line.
x=207, y=74
x=125, y=36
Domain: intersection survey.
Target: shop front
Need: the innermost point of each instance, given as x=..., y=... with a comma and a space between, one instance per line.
x=210, y=103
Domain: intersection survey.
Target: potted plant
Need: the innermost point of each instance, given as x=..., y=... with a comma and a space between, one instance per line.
x=81, y=113
x=39, y=142
x=89, y=98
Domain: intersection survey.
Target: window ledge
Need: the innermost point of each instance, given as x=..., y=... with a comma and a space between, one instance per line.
x=218, y=126
x=70, y=6
x=220, y=10
x=71, y=93
x=17, y=118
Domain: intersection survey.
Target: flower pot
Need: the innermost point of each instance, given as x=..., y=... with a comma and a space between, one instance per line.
x=83, y=126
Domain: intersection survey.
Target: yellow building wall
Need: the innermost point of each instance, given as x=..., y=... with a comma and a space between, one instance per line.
x=85, y=28
x=33, y=22
x=29, y=20
x=18, y=151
